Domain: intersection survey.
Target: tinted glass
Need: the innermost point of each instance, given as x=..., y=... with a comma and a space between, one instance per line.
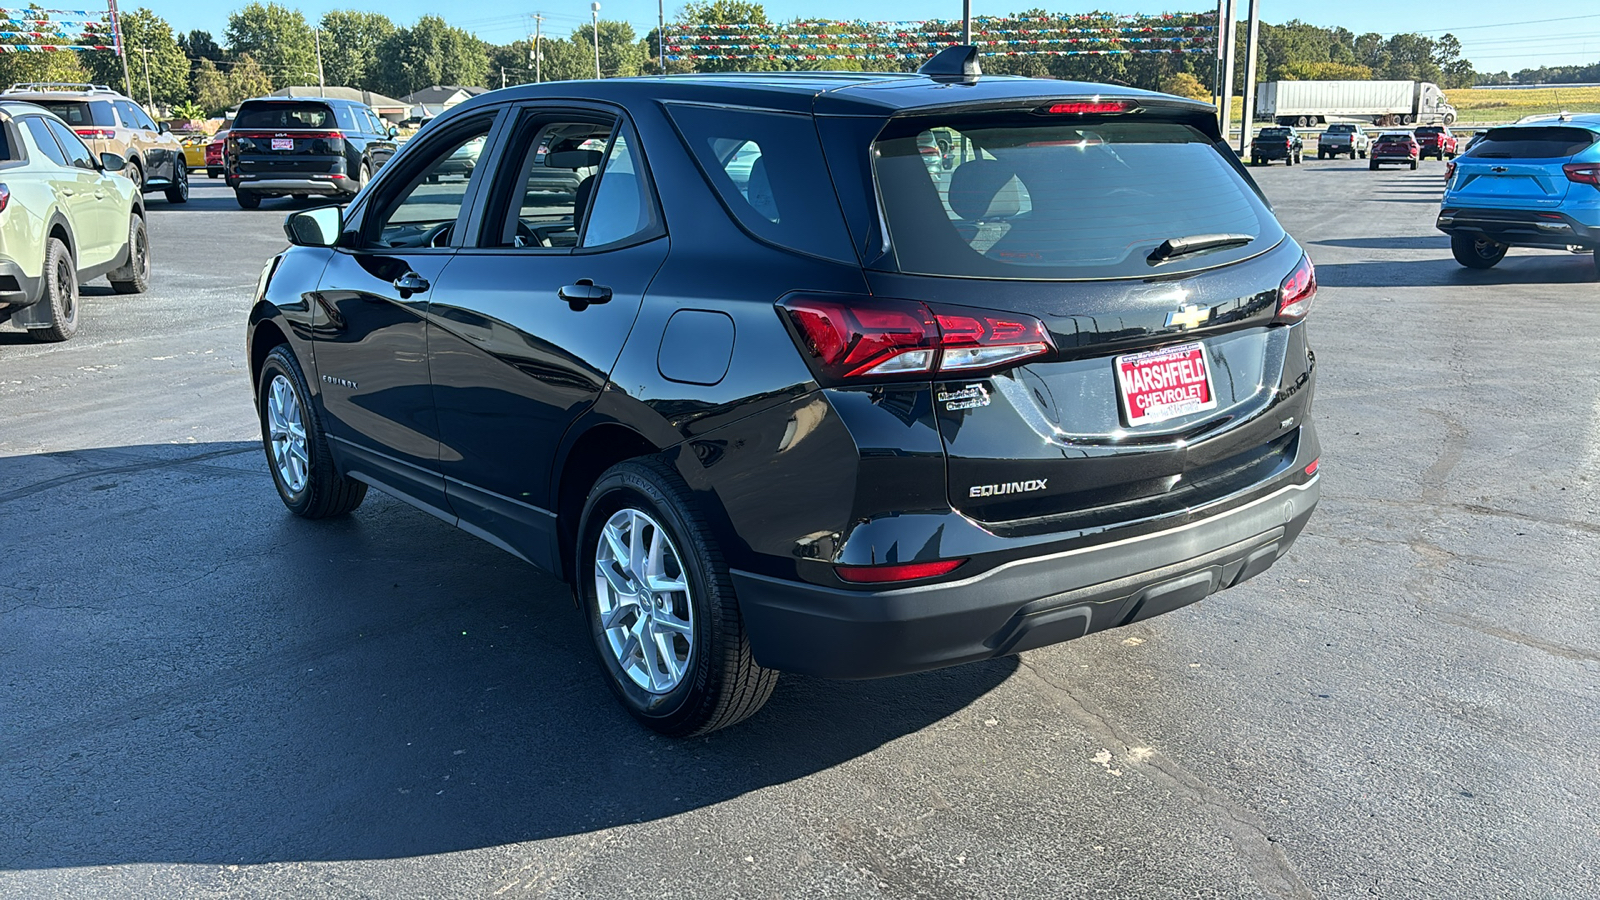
x=5, y=144
x=768, y=169
x=1026, y=198
x=268, y=115
x=80, y=113
x=621, y=206
x=1532, y=143
x=1276, y=133
x=348, y=121
x=1430, y=129
x=555, y=181
x=77, y=154
x=46, y=141
x=143, y=119
x=424, y=214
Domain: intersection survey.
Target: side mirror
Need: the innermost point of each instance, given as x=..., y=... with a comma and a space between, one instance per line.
x=318, y=227
x=164, y=128
x=111, y=162
x=394, y=131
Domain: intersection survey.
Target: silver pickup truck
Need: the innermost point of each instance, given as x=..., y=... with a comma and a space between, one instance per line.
x=1343, y=138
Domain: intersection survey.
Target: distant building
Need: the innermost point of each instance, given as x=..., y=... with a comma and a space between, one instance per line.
x=387, y=107
x=431, y=101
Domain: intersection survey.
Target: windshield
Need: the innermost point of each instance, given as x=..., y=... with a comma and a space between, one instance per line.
x=1532, y=143
x=284, y=115
x=1021, y=197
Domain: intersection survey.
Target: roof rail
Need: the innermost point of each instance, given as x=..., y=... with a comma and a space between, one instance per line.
x=33, y=87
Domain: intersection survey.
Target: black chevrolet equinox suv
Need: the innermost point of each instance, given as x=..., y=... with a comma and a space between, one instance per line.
x=774, y=394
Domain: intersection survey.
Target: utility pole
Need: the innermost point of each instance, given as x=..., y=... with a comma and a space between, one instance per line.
x=502, y=77
x=1250, y=54
x=966, y=22
x=322, y=83
x=538, y=56
x=661, y=34
x=594, y=13
x=1226, y=35
x=149, y=96
x=122, y=49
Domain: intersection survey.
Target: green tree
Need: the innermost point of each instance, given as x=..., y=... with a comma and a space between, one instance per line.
x=1184, y=84
x=721, y=12
x=169, y=67
x=247, y=80
x=212, y=90
x=565, y=60
x=431, y=52
x=68, y=67
x=1323, y=71
x=620, y=53
x=277, y=39
x=198, y=45
x=1454, y=72
x=351, y=44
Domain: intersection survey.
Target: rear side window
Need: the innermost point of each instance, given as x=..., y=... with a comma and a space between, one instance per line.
x=1532, y=143
x=80, y=113
x=77, y=152
x=284, y=115
x=45, y=140
x=1022, y=197
x=768, y=169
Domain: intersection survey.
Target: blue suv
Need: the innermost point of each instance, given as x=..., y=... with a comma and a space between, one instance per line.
x=1534, y=184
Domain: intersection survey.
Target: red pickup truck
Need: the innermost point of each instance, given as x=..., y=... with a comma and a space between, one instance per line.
x=1437, y=141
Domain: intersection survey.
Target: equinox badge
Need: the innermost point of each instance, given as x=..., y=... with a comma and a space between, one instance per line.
x=1010, y=487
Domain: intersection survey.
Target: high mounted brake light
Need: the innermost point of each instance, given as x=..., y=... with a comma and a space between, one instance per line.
x=1296, y=292
x=1087, y=107
x=848, y=339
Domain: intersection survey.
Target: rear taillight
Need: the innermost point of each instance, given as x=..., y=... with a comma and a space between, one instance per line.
x=96, y=134
x=1296, y=292
x=1288, y=145
x=5, y=197
x=1449, y=170
x=1583, y=173
x=904, y=572
x=866, y=337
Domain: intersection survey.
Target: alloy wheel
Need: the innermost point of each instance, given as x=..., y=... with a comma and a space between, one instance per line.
x=643, y=595
x=286, y=434
x=67, y=289
x=1486, y=248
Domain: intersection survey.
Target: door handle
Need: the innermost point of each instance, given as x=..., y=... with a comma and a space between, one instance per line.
x=410, y=283
x=99, y=195
x=68, y=191
x=585, y=292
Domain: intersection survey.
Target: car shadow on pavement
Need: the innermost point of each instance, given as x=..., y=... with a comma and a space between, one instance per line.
x=194, y=675
x=1520, y=267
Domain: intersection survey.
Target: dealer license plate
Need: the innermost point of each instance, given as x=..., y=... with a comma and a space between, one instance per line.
x=283, y=143
x=1161, y=384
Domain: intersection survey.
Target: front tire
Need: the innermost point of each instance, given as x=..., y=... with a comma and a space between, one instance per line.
x=60, y=293
x=1413, y=165
x=135, y=173
x=178, y=192
x=1476, y=253
x=296, y=446
x=134, y=276
x=1373, y=165
x=247, y=199
x=661, y=607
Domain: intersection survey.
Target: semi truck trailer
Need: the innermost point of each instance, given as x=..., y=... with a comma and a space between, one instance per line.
x=1307, y=103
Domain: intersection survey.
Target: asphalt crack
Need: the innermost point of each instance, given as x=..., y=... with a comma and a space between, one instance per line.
x=52, y=483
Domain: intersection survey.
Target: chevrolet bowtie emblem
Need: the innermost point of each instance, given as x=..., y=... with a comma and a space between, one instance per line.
x=1188, y=317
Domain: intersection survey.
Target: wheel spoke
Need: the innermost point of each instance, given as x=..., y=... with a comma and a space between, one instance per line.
x=645, y=608
x=650, y=652
x=616, y=580
x=613, y=617
x=671, y=624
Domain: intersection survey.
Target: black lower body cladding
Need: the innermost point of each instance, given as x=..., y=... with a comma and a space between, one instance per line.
x=1021, y=605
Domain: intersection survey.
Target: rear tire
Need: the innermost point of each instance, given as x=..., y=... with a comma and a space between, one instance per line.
x=1477, y=253
x=1373, y=165
x=178, y=192
x=135, y=173
x=1413, y=165
x=60, y=293
x=248, y=199
x=296, y=446
x=134, y=276
x=699, y=667
x=1597, y=262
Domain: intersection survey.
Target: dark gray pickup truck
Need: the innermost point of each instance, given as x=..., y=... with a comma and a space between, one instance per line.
x=1341, y=139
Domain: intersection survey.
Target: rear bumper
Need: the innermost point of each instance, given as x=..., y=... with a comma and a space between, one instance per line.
x=17, y=288
x=1272, y=152
x=306, y=184
x=814, y=630
x=1521, y=228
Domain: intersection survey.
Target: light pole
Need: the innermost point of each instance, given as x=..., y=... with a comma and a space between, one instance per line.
x=661, y=33
x=149, y=95
x=594, y=12
x=322, y=84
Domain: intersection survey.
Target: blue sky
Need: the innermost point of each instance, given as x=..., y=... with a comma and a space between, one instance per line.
x=1482, y=25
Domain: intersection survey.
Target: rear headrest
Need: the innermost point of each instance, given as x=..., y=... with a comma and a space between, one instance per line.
x=976, y=188
x=572, y=159
x=758, y=191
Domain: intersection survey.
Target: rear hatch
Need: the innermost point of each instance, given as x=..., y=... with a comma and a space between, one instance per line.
x=277, y=138
x=1129, y=252
x=93, y=120
x=1518, y=167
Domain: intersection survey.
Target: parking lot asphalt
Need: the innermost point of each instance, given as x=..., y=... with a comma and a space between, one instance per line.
x=202, y=696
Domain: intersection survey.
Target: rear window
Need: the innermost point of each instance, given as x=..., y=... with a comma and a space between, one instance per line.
x=1275, y=133
x=1430, y=129
x=1341, y=129
x=1017, y=197
x=80, y=113
x=284, y=115
x=768, y=169
x=1532, y=143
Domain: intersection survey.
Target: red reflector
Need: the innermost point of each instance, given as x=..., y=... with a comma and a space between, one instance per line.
x=905, y=572
x=1296, y=292
x=1315, y=465
x=1082, y=107
x=1583, y=173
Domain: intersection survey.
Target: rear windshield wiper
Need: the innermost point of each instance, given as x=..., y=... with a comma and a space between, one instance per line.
x=1194, y=243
